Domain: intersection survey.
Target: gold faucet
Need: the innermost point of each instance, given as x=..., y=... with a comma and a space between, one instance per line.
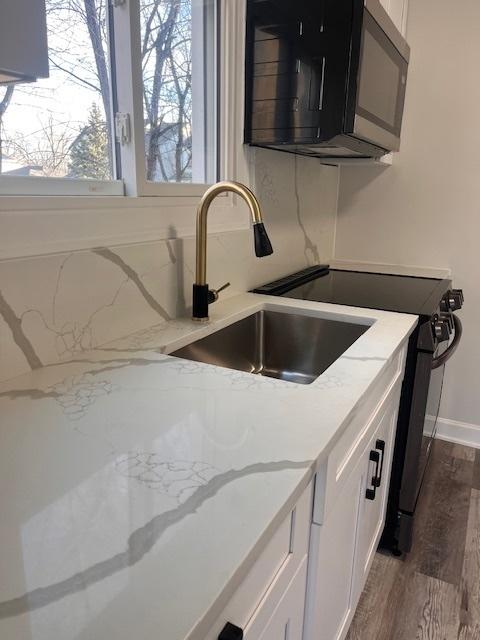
x=202, y=295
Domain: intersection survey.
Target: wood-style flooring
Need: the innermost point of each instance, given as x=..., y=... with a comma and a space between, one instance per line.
x=433, y=593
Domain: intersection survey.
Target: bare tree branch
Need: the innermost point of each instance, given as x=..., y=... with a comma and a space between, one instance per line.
x=6, y=100
x=74, y=75
x=3, y=107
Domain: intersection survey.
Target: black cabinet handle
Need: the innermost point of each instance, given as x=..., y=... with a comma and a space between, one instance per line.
x=377, y=456
x=231, y=632
x=370, y=493
x=380, y=446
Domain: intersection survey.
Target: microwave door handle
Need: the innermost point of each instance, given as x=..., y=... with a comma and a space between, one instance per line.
x=448, y=353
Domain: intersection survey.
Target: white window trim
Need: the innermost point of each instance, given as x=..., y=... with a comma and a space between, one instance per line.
x=37, y=186
x=232, y=164
x=33, y=225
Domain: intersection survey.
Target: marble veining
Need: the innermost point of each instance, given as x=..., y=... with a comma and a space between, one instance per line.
x=15, y=325
x=175, y=478
x=124, y=471
x=140, y=541
x=132, y=275
x=311, y=252
x=75, y=394
x=56, y=307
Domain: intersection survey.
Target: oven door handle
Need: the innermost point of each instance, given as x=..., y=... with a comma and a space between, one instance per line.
x=448, y=353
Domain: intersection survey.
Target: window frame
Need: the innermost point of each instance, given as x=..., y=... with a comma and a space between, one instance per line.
x=233, y=157
x=127, y=83
x=30, y=186
x=80, y=222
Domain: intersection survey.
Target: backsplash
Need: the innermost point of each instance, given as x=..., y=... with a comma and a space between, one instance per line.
x=53, y=307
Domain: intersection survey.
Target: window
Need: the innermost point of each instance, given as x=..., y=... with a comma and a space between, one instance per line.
x=178, y=44
x=61, y=126
x=65, y=126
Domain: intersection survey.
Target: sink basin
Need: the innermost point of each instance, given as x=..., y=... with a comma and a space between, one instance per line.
x=287, y=346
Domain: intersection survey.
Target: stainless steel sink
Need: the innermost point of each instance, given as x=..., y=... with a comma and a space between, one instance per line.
x=280, y=345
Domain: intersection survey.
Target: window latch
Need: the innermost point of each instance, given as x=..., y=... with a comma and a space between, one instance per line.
x=123, y=129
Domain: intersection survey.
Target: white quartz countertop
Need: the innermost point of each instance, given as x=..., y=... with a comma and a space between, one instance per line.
x=137, y=489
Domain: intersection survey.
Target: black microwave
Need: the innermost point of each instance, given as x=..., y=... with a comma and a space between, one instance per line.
x=324, y=78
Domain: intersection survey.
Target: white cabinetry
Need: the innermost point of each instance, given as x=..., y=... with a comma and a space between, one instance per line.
x=349, y=511
x=397, y=10
x=307, y=581
x=372, y=509
x=286, y=621
x=332, y=557
x=269, y=604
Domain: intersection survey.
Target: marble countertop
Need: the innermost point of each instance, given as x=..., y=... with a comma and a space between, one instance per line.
x=137, y=489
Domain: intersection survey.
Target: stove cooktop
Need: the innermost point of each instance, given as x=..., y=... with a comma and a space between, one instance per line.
x=404, y=294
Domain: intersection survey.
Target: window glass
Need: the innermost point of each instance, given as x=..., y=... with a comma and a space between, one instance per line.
x=61, y=126
x=178, y=66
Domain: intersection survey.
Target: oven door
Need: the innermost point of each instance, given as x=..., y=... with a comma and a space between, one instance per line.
x=426, y=400
x=381, y=80
x=431, y=416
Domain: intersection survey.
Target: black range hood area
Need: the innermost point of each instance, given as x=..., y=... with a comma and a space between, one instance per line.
x=324, y=78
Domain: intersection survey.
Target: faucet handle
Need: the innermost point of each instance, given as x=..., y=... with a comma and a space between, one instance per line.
x=213, y=293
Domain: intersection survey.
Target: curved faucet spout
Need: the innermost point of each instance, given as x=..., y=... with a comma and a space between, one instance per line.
x=263, y=246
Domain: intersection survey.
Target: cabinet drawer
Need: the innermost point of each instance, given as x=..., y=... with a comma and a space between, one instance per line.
x=281, y=619
x=268, y=579
x=346, y=453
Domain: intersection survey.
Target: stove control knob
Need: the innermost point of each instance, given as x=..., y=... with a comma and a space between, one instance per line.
x=441, y=329
x=448, y=318
x=452, y=300
x=457, y=298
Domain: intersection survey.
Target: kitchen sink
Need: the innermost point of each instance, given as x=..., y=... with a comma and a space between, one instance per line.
x=287, y=346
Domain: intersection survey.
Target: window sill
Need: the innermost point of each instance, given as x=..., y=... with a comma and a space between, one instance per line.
x=62, y=201
x=34, y=186
x=40, y=225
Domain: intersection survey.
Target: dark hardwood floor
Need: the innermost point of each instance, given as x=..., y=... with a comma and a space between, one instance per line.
x=433, y=593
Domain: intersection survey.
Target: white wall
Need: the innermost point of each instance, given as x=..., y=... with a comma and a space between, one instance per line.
x=425, y=209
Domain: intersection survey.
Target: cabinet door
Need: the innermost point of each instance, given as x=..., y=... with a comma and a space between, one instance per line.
x=332, y=553
x=397, y=10
x=272, y=594
x=376, y=462
x=286, y=622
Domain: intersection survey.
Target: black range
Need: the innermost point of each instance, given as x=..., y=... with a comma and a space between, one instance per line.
x=433, y=342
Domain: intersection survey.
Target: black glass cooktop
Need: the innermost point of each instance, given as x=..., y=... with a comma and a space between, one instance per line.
x=405, y=294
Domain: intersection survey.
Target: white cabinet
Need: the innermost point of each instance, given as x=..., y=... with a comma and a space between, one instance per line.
x=286, y=622
x=307, y=581
x=269, y=604
x=397, y=10
x=376, y=464
x=23, y=41
x=331, y=566
x=352, y=492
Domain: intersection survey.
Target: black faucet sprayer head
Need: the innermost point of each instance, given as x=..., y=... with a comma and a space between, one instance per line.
x=263, y=246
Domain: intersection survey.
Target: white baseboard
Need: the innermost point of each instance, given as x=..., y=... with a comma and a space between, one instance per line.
x=459, y=432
